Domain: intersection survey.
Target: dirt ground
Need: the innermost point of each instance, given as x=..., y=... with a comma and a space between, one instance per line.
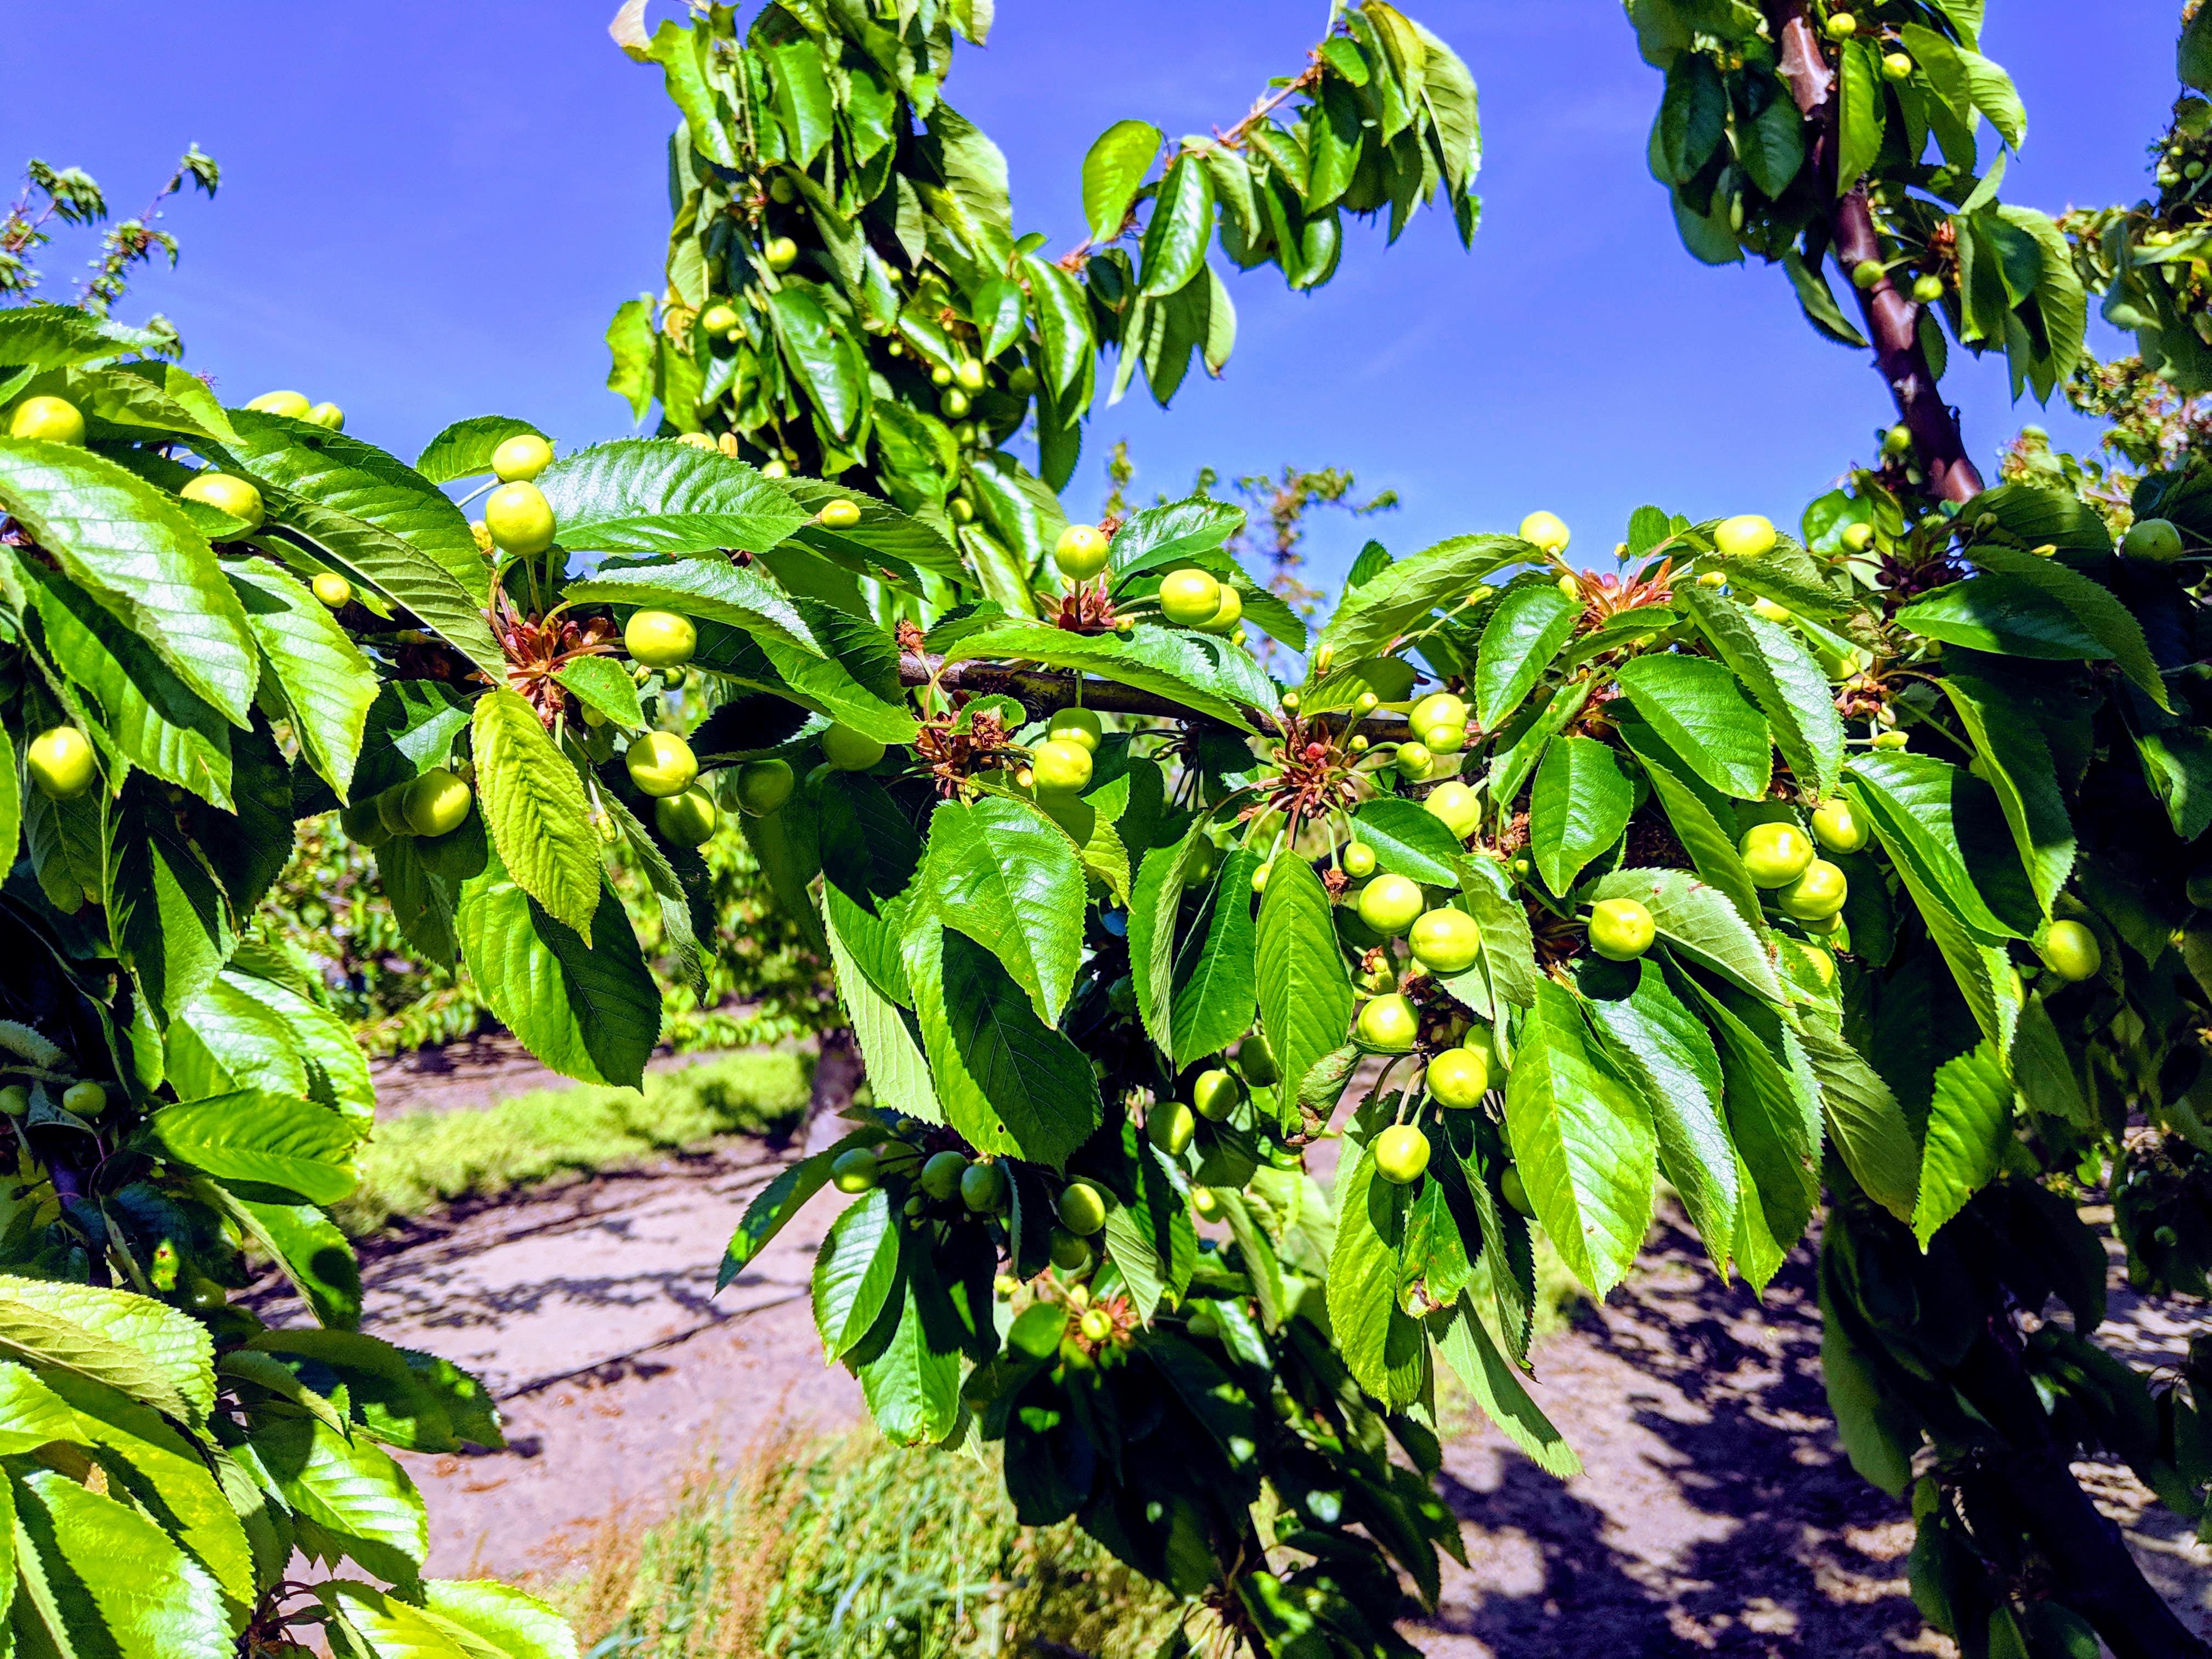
x=1715, y=1513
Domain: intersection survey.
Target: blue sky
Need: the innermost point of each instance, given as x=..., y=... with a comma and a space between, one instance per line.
x=429, y=210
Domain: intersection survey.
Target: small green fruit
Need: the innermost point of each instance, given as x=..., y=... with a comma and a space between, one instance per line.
x=1388, y=1025
x=1459, y=1077
x=1205, y=1203
x=1359, y=860
x=1818, y=892
x=85, y=1098
x=763, y=786
x=1929, y=289
x=1190, y=597
x=1842, y=26
x=1898, y=440
x=1620, y=930
x=1229, y=614
x=719, y=318
x=1066, y=1252
x=329, y=416
x=848, y=750
x=1868, y=273
x=1401, y=1154
x=1837, y=826
x=688, y=819
x=1097, y=1325
x=1775, y=854
x=1514, y=1193
x=1438, y=709
x=61, y=762
x=1896, y=66
x=2154, y=541
x=941, y=1175
x=1457, y=804
x=293, y=404
x=952, y=403
x=661, y=764
x=983, y=1187
x=1857, y=537
x=225, y=493
x=660, y=638
x=1389, y=904
x=14, y=1100
x=1082, y=1207
x=435, y=803
x=1079, y=727
x=1257, y=1058
x=1746, y=535
x=519, y=518
x=392, y=810
x=1060, y=768
x=1170, y=1126
x=855, y=1170
x=1445, y=942
x=522, y=458
x=1081, y=552
x=1216, y=1094
x=1413, y=760
x=839, y=515
x=781, y=253
x=1546, y=531
x=51, y=420
x=967, y=374
x=2071, y=951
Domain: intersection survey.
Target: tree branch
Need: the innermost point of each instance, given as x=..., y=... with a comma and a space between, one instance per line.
x=1893, y=316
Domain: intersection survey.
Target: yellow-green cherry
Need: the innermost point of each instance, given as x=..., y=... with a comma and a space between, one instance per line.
x=848, y=750
x=2071, y=951
x=52, y=420
x=519, y=518
x=1191, y=597
x=1459, y=1077
x=763, y=786
x=661, y=764
x=1621, y=930
x=1387, y=1024
x=227, y=494
x=61, y=762
x=1445, y=941
x=1401, y=1154
x=1775, y=854
x=659, y=639
x=520, y=458
x=1390, y=904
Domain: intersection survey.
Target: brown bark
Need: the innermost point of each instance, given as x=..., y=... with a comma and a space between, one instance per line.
x=1893, y=316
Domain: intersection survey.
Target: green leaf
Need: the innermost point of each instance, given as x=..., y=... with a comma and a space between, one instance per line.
x=710, y=590
x=1385, y=1349
x=1879, y=1435
x=168, y=919
x=1007, y=876
x=1584, y=1145
x=54, y=336
x=1175, y=533
x=330, y=482
x=130, y=1343
x=1696, y=823
x=1772, y=146
x=137, y=710
x=1526, y=630
x=533, y=803
x=465, y=449
x=2094, y=606
x=1692, y=120
x=908, y=1365
x=11, y=808
x=1180, y=229
x=1483, y=1371
x=824, y=360
x=136, y=401
x=1916, y=803
x=1156, y=660
x=784, y=1196
x=254, y=1140
x=327, y=684
x=102, y=1578
x=1969, y=1126
x=855, y=1272
x=1696, y=707
x=600, y=683
x=655, y=496
x=631, y=345
x=898, y=1075
x=1774, y=1121
x=130, y=546
x=2192, y=64
x=1815, y=297
x=1390, y=603
x=1409, y=840
x=1790, y=689
x=518, y=1626
x=1700, y=924
x=1864, y=1121
x=1665, y=1053
x=247, y=1032
x=593, y=1012
x=347, y=1496
x=1577, y=807
x=2178, y=766
x=2008, y=738
x=1154, y=901
x=311, y=1251
x=1008, y=1083
x=1508, y=955
x=1861, y=113
x=1113, y=169
x=1214, y=988
x=2007, y=616
x=1304, y=991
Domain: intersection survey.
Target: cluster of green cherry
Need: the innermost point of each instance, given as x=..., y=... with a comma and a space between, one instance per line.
x=1187, y=596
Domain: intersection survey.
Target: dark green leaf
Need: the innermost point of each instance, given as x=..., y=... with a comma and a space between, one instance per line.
x=1696, y=707
x=1304, y=990
x=1577, y=807
x=655, y=496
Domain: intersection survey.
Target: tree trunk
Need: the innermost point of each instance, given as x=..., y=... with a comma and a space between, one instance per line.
x=837, y=1077
x=1893, y=316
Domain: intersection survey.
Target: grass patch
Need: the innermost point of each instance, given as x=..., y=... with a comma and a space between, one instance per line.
x=851, y=1548
x=419, y=1160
